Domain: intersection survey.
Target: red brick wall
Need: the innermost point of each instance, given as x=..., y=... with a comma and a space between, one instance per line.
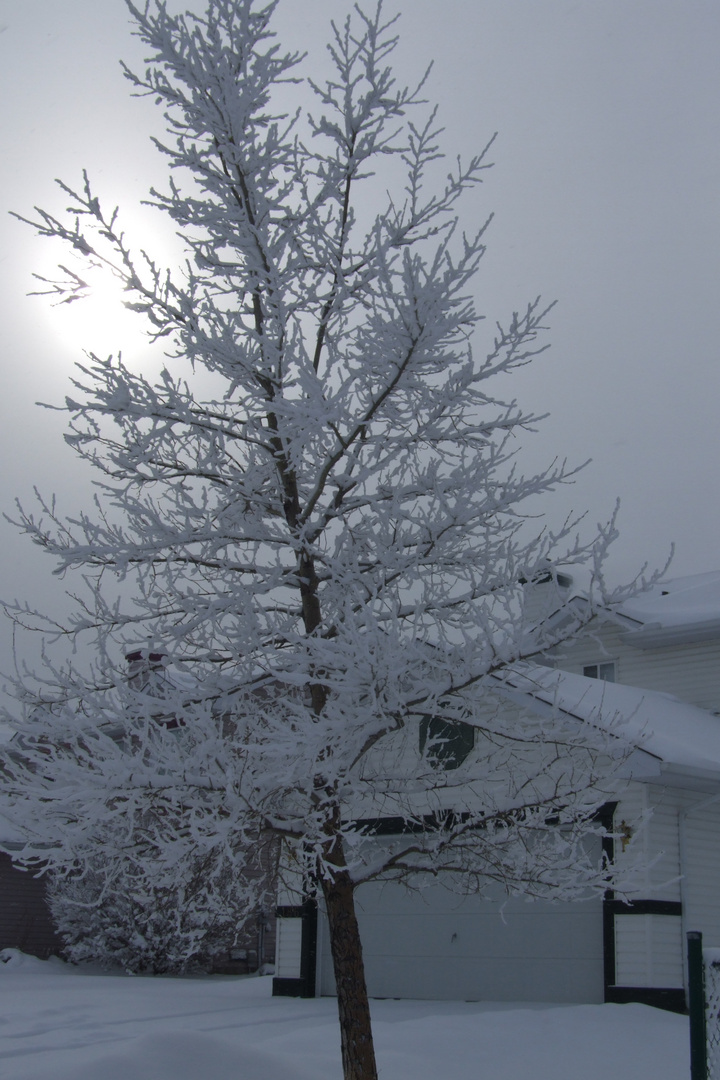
x=25, y=921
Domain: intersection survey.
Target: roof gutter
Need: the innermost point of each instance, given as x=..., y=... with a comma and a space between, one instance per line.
x=696, y=777
x=654, y=635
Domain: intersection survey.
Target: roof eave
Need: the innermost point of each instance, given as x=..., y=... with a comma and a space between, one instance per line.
x=691, y=777
x=655, y=636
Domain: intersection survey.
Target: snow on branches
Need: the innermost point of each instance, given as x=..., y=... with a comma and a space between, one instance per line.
x=314, y=510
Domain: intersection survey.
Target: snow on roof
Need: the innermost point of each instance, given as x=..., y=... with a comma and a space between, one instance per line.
x=675, y=612
x=677, y=602
x=674, y=732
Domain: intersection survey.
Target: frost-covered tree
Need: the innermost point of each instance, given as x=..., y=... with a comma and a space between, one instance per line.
x=314, y=510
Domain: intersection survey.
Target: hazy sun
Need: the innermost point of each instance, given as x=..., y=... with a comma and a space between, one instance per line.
x=99, y=321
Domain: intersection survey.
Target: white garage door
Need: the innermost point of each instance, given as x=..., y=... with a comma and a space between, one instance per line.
x=437, y=945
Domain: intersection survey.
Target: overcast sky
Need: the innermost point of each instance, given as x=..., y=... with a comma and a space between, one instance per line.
x=605, y=192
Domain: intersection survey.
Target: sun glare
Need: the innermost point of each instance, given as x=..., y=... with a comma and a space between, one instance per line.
x=98, y=321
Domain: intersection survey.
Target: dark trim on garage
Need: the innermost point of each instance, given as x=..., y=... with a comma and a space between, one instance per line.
x=605, y=818
x=644, y=907
x=608, y=926
x=448, y=819
x=287, y=987
x=400, y=826
x=308, y=948
x=671, y=999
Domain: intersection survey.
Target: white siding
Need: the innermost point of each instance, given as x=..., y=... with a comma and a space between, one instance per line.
x=648, y=951
x=288, y=948
x=632, y=859
x=689, y=672
x=649, y=948
x=664, y=848
x=702, y=869
x=649, y=866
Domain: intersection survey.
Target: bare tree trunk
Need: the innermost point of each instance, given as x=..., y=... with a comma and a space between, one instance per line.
x=358, y=1053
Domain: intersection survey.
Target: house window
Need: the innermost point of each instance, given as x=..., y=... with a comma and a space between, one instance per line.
x=606, y=672
x=445, y=743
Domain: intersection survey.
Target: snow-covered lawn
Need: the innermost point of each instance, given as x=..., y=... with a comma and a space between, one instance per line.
x=60, y=1024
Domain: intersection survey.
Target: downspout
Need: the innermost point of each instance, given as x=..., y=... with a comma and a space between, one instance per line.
x=682, y=851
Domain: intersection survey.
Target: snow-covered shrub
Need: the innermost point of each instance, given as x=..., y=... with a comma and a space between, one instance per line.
x=142, y=930
x=149, y=921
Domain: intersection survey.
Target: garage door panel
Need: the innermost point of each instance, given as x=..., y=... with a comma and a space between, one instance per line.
x=484, y=934
x=473, y=980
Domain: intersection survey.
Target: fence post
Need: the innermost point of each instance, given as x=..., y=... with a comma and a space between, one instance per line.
x=696, y=1005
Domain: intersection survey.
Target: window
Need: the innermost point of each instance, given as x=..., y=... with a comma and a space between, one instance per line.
x=445, y=743
x=606, y=672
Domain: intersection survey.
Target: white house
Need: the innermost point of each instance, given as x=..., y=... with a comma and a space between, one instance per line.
x=654, y=662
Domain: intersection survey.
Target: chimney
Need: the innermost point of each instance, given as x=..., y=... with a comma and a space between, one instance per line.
x=544, y=593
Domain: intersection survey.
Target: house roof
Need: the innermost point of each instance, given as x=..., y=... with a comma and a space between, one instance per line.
x=672, y=736
x=675, y=612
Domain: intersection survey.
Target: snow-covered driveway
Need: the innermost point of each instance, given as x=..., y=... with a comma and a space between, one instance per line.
x=60, y=1024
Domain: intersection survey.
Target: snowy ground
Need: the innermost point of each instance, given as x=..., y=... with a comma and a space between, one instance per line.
x=62, y=1024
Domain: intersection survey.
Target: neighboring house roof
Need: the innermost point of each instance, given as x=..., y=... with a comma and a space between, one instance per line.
x=675, y=612
x=679, y=611
x=678, y=602
x=683, y=740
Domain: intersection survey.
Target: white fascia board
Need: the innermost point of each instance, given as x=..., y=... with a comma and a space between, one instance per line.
x=557, y=620
x=642, y=766
x=688, y=777
x=655, y=636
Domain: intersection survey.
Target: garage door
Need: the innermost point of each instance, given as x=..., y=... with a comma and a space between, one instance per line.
x=435, y=944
